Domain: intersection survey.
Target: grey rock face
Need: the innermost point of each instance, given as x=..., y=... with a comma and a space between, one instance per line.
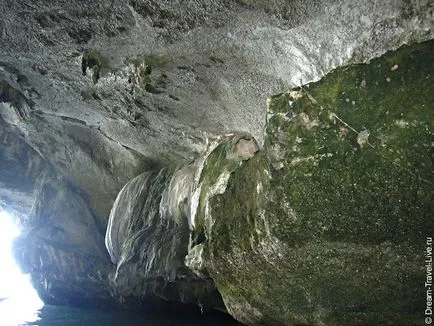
x=148, y=244
x=220, y=60
x=63, y=248
x=336, y=231
x=21, y=169
x=167, y=78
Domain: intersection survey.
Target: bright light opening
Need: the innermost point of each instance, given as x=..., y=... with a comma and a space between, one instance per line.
x=19, y=301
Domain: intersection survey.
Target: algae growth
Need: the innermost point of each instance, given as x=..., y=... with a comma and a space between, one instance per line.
x=327, y=224
x=143, y=68
x=96, y=61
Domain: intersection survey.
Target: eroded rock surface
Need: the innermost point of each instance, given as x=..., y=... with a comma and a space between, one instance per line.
x=148, y=242
x=63, y=248
x=171, y=74
x=96, y=96
x=328, y=232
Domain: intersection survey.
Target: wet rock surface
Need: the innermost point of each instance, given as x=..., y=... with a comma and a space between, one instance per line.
x=98, y=96
x=327, y=234
x=63, y=248
x=148, y=245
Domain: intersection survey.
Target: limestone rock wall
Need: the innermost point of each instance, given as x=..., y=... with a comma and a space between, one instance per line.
x=63, y=248
x=95, y=96
x=148, y=244
x=328, y=223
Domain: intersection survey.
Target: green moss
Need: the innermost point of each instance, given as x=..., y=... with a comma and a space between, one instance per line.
x=335, y=233
x=93, y=55
x=94, y=60
x=347, y=184
x=216, y=163
x=239, y=230
x=151, y=60
x=143, y=67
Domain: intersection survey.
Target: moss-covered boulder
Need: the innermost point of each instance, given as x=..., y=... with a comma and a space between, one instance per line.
x=327, y=224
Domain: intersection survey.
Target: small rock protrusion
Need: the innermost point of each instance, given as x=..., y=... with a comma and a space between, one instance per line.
x=244, y=149
x=94, y=60
x=363, y=137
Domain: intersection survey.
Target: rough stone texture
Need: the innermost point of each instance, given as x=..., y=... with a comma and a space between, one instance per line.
x=332, y=230
x=21, y=170
x=214, y=63
x=149, y=246
x=63, y=248
x=162, y=80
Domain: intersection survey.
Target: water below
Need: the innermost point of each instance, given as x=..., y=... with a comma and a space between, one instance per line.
x=13, y=315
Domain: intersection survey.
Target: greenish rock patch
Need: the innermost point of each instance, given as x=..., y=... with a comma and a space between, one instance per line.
x=96, y=61
x=143, y=66
x=151, y=60
x=327, y=224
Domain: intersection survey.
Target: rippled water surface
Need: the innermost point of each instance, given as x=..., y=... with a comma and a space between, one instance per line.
x=12, y=315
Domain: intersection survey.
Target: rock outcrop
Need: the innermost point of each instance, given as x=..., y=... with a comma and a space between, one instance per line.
x=319, y=226
x=63, y=248
x=146, y=121
x=148, y=237
x=328, y=223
